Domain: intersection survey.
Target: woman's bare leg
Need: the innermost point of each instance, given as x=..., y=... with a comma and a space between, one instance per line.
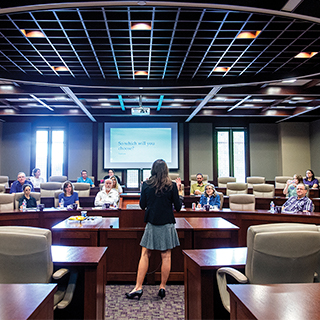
x=165, y=267
x=142, y=268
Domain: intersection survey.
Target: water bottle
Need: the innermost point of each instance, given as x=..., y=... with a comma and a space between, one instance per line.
x=24, y=205
x=272, y=207
x=208, y=200
x=62, y=203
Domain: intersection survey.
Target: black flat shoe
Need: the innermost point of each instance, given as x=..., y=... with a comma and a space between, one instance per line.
x=162, y=293
x=133, y=294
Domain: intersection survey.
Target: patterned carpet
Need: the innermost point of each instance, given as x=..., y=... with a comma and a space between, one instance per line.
x=150, y=305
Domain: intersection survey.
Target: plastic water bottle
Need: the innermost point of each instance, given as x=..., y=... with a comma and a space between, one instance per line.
x=24, y=205
x=272, y=207
x=62, y=203
x=208, y=200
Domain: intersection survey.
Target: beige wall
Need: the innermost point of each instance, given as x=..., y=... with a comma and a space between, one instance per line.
x=200, y=149
x=274, y=149
x=315, y=147
x=294, y=142
x=264, y=150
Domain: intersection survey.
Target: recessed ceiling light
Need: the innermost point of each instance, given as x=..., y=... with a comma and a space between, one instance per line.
x=7, y=88
x=220, y=98
x=33, y=34
x=141, y=73
x=175, y=104
x=220, y=69
x=178, y=100
x=140, y=26
x=105, y=104
x=23, y=99
x=73, y=111
x=61, y=69
x=248, y=35
x=9, y=111
x=297, y=98
x=257, y=100
x=289, y=81
x=306, y=55
x=103, y=99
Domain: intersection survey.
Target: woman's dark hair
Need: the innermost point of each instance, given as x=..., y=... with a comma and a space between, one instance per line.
x=299, y=178
x=160, y=177
x=65, y=185
x=34, y=171
x=26, y=185
x=312, y=175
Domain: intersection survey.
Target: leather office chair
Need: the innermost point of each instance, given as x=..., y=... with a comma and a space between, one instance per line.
x=58, y=179
x=193, y=179
x=4, y=181
x=220, y=194
x=82, y=188
x=237, y=187
x=47, y=189
x=255, y=180
x=222, y=181
x=281, y=181
x=173, y=176
x=25, y=257
x=6, y=202
x=2, y=189
x=263, y=190
x=56, y=197
x=277, y=253
x=242, y=202
x=18, y=195
x=92, y=179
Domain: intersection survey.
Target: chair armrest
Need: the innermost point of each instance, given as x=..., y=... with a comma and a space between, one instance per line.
x=222, y=283
x=69, y=291
x=60, y=273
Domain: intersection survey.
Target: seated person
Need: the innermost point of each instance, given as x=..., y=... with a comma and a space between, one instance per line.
x=30, y=201
x=209, y=197
x=107, y=195
x=85, y=179
x=198, y=187
x=116, y=186
x=310, y=180
x=18, y=184
x=290, y=188
x=299, y=203
x=111, y=174
x=69, y=196
x=35, y=179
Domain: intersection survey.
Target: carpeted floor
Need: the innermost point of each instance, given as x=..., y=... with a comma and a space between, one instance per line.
x=150, y=305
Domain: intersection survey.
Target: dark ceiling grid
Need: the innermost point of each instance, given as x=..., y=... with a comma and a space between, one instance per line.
x=51, y=44
x=11, y=62
x=265, y=49
x=33, y=46
x=24, y=57
x=90, y=43
x=151, y=40
x=70, y=43
x=171, y=42
x=287, y=47
x=131, y=45
x=247, y=48
x=110, y=41
x=211, y=44
x=191, y=42
x=229, y=46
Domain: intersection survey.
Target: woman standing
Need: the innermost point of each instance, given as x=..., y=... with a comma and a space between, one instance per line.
x=157, y=196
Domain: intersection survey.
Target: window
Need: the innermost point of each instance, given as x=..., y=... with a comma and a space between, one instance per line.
x=231, y=153
x=50, y=152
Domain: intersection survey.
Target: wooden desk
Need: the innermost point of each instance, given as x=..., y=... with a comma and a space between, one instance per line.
x=128, y=198
x=201, y=295
x=81, y=233
x=292, y=301
x=27, y=301
x=89, y=297
x=213, y=233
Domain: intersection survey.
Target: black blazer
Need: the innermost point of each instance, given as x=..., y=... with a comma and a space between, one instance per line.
x=159, y=208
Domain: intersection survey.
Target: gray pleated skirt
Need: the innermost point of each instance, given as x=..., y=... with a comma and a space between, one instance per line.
x=161, y=237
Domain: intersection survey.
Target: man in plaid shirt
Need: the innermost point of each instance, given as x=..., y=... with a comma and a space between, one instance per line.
x=299, y=203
